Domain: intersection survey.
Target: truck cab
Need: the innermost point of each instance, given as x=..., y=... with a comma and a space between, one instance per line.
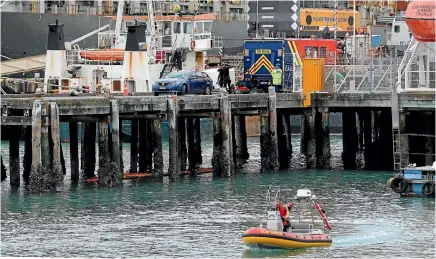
x=260, y=59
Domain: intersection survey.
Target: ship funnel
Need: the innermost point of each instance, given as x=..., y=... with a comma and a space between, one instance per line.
x=56, y=62
x=136, y=72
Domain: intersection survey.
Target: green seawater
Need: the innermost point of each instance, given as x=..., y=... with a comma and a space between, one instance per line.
x=205, y=217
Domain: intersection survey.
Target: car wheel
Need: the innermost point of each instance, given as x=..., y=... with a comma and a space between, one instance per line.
x=207, y=91
x=184, y=90
x=156, y=94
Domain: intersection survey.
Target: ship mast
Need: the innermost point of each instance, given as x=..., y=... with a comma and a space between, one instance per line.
x=152, y=27
x=119, y=21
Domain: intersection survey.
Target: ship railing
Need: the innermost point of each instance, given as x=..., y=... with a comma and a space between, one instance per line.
x=111, y=9
x=377, y=77
x=110, y=57
x=99, y=57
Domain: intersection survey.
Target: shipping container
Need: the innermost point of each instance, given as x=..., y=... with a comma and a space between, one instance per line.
x=313, y=77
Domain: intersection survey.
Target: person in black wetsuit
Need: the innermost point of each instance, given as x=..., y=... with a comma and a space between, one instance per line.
x=224, y=77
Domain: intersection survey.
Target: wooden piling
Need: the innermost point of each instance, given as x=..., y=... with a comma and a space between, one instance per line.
x=108, y=172
x=143, y=150
x=156, y=128
x=288, y=132
x=175, y=128
x=192, y=157
x=429, y=141
x=183, y=152
x=265, y=143
x=217, y=147
x=56, y=165
x=120, y=127
x=365, y=117
x=63, y=166
x=404, y=140
x=88, y=143
x=282, y=143
x=134, y=146
x=74, y=152
x=3, y=168
x=226, y=134
x=27, y=159
x=309, y=138
x=197, y=141
x=274, y=151
x=36, y=174
x=45, y=144
x=349, y=139
x=115, y=120
x=14, y=155
x=241, y=148
x=323, y=154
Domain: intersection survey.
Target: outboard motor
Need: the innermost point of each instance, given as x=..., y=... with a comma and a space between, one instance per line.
x=274, y=221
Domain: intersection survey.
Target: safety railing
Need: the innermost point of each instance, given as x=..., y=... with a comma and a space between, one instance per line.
x=379, y=77
x=420, y=80
x=417, y=70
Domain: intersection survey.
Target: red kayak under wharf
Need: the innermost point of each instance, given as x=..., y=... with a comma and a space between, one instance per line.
x=421, y=17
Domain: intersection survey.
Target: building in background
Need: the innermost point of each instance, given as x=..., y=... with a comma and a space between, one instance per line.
x=304, y=18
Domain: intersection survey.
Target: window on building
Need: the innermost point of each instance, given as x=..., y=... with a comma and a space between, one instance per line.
x=187, y=27
x=397, y=28
x=177, y=27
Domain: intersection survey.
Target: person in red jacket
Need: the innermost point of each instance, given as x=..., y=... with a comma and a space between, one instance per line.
x=284, y=213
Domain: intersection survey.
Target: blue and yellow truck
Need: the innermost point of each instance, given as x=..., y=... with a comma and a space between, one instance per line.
x=260, y=58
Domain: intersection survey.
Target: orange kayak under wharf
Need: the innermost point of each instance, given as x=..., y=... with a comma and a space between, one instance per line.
x=130, y=176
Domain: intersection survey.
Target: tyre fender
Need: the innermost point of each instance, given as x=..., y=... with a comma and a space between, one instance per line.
x=428, y=189
x=399, y=185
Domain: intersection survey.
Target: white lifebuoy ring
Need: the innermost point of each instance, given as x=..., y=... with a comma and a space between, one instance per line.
x=193, y=44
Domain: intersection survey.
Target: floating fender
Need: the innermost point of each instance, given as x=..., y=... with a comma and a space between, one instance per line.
x=399, y=185
x=389, y=182
x=428, y=189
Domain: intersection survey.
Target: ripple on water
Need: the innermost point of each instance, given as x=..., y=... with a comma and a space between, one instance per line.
x=201, y=217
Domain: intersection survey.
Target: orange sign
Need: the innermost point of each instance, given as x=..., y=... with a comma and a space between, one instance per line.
x=318, y=19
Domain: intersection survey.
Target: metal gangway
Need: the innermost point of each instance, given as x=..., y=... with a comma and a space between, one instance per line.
x=22, y=65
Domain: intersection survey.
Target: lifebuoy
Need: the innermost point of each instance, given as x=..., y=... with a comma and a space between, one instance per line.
x=324, y=218
x=193, y=44
x=399, y=185
x=428, y=189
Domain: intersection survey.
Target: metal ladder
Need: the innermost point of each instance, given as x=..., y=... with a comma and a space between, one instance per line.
x=168, y=68
x=396, y=148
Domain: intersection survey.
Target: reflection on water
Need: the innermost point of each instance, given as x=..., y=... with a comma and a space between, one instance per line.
x=205, y=217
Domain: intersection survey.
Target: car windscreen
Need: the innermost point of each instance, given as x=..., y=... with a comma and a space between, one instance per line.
x=178, y=75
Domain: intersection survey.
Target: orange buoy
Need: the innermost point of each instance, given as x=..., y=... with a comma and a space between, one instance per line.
x=421, y=17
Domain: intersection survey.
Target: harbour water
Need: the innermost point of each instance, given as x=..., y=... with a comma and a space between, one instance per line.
x=205, y=217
